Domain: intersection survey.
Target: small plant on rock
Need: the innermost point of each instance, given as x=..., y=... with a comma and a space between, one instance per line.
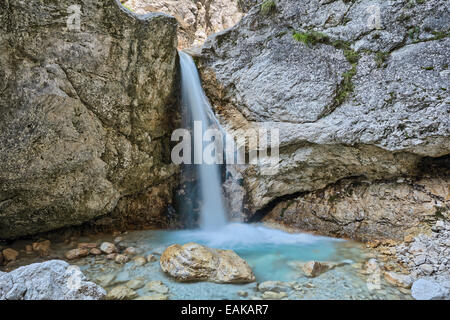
x=267, y=7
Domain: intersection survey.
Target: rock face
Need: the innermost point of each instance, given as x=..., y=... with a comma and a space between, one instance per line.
x=427, y=255
x=366, y=210
x=85, y=114
x=194, y=262
x=197, y=18
x=354, y=95
x=50, y=280
x=430, y=289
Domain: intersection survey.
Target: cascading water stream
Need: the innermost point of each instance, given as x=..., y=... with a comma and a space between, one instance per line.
x=196, y=104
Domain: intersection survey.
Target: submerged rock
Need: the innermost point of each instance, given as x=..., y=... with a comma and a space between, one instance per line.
x=121, y=293
x=108, y=248
x=42, y=247
x=10, y=254
x=275, y=286
x=50, y=280
x=315, y=268
x=194, y=262
x=270, y=295
x=77, y=253
x=139, y=261
x=157, y=286
x=121, y=259
x=156, y=296
x=135, y=283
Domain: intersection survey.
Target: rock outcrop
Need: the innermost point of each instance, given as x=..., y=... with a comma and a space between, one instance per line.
x=366, y=210
x=194, y=262
x=50, y=280
x=430, y=289
x=87, y=105
x=359, y=91
x=197, y=18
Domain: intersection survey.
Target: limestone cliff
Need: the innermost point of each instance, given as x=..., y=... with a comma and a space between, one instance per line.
x=197, y=18
x=87, y=101
x=359, y=91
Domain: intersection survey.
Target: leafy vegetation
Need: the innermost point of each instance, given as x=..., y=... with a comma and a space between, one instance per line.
x=267, y=7
x=380, y=58
x=311, y=37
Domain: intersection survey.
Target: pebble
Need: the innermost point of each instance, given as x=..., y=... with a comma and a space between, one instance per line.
x=95, y=251
x=151, y=258
x=157, y=286
x=76, y=253
x=108, y=247
x=106, y=280
x=270, y=295
x=157, y=296
x=242, y=293
x=42, y=247
x=140, y=261
x=111, y=256
x=121, y=293
x=86, y=245
x=135, y=283
x=130, y=251
x=121, y=258
x=10, y=254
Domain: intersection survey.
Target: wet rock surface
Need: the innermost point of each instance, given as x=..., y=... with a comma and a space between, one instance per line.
x=351, y=280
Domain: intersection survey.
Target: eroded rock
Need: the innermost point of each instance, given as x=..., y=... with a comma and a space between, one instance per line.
x=361, y=102
x=194, y=262
x=50, y=280
x=85, y=117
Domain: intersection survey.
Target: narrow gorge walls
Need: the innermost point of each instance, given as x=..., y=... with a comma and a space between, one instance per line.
x=87, y=105
x=197, y=18
x=359, y=91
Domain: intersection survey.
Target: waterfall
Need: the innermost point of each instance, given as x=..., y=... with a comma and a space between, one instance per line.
x=196, y=108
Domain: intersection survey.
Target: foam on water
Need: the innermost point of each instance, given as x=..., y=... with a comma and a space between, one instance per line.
x=242, y=236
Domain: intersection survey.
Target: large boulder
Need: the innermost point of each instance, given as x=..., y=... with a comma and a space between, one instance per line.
x=50, y=280
x=197, y=18
x=358, y=90
x=87, y=100
x=194, y=262
x=430, y=289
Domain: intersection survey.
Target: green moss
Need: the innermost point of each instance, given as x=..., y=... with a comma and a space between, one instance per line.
x=310, y=37
x=439, y=35
x=439, y=213
x=380, y=58
x=283, y=210
x=267, y=7
x=413, y=32
x=346, y=86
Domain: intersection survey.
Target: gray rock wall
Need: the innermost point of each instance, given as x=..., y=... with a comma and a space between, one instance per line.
x=85, y=115
x=353, y=93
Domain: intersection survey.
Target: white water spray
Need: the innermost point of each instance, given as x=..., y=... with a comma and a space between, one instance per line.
x=212, y=212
